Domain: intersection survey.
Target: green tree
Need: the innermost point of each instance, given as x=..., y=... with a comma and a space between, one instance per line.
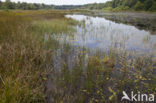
x=153, y=8
x=24, y=6
x=18, y=5
x=7, y=5
x=148, y=4
x=91, y=8
x=0, y=4
x=138, y=6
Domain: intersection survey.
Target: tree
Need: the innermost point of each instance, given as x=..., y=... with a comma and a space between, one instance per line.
x=153, y=8
x=138, y=6
x=148, y=4
x=91, y=8
x=8, y=5
x=0, y=4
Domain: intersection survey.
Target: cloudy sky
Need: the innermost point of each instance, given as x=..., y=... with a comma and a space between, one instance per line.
x=61, y=2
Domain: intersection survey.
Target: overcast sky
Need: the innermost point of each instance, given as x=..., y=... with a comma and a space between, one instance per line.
x=62, y=2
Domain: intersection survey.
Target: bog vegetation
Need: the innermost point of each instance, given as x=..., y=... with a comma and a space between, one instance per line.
x=28, y=71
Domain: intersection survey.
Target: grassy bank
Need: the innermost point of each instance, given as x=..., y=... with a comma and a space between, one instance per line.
x=36, y=68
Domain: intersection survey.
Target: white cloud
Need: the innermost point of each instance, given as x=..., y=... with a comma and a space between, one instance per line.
x=61, y=2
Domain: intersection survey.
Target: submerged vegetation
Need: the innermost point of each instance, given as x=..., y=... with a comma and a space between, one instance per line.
x=36, y=68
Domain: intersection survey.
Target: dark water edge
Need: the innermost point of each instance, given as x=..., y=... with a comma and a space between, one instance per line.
x=142, y=21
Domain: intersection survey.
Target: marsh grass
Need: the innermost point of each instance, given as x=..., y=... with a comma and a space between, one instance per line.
x=102, y=80
x=29, y=74
x=55, y=26
x=24, y=58
x=16, y=61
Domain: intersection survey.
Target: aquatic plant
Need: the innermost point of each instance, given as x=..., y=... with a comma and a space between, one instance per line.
x=36, y=68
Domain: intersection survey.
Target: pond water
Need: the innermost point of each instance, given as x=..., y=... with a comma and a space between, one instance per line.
x=91, y=38
x=100, y=33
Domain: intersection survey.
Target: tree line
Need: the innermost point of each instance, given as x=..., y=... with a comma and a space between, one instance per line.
x=33, y=6
x=119, y=5
x=24, y=6
x=137, y=5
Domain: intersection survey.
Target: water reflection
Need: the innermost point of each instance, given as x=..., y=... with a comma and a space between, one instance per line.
x=88, y=42
x=99, y=33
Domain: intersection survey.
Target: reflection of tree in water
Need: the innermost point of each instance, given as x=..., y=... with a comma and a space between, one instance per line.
x=141, y=21
x=142, y=24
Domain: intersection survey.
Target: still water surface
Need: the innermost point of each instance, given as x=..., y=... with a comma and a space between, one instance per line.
x=100, y=33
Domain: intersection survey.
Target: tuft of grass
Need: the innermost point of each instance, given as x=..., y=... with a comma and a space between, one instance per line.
x=55, y=26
